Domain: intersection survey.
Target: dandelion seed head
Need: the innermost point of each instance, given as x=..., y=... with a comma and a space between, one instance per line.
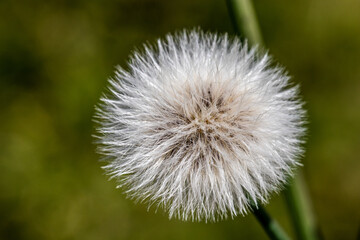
x=201, y=125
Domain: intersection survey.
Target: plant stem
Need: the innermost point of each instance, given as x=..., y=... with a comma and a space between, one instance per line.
x=244, y=20
x=300, y=209
x=271, y=227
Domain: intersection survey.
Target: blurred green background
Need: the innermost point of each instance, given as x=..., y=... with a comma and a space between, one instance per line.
x=55, y=58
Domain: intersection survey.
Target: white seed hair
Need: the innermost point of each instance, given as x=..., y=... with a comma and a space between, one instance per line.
x=201, y=125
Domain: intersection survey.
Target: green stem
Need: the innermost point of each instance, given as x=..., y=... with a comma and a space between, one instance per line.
x=300, y=209
x=271, y=227
x=244, y=20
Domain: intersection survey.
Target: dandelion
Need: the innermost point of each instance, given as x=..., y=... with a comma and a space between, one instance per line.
x=201, y=125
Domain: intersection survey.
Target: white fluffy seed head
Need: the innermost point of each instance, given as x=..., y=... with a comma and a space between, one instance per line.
x=200, y=125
